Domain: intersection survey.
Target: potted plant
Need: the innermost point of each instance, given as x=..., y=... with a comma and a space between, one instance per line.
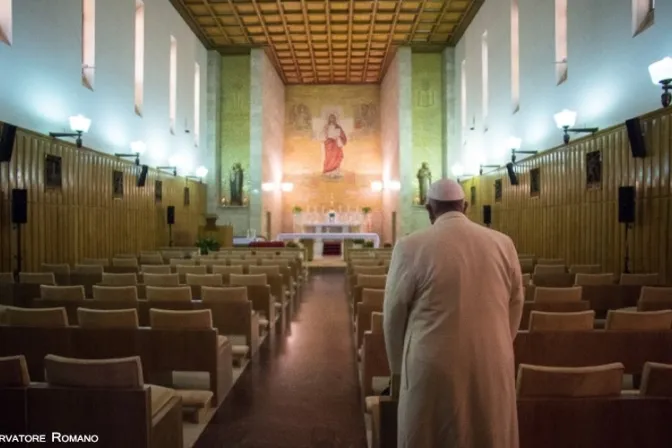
x=297, y=210
x=368, y=244
x=207, y=245
x=358, y=243
x=366, y=210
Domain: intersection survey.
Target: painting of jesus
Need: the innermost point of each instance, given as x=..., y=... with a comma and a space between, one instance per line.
x=334, y=140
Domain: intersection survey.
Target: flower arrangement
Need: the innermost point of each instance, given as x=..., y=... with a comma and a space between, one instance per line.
x=366, y=210
x=207, y=245
x=297, y=209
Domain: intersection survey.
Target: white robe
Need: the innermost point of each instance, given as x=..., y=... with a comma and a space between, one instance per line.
x=453, y=304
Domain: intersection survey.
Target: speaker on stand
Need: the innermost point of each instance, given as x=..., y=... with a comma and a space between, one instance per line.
x=170, y=220
x=487, y=215
x=19, y=217
x=626, y=215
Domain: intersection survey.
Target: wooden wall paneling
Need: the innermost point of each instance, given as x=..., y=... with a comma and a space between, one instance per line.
x=82, y=219
x=570, y=221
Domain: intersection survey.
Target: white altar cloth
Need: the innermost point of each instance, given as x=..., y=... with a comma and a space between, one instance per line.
x=326, y=227
x=318, y=237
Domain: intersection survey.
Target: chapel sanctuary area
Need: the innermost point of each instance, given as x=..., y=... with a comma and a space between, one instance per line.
x=200, y=201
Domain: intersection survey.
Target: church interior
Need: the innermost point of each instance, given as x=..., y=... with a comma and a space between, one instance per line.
x=200, y=201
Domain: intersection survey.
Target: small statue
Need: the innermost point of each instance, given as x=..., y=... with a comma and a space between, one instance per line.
x=236, y=184
x=424, y=181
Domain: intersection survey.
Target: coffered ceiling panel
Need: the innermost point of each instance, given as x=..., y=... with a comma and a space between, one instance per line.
x=328, y=41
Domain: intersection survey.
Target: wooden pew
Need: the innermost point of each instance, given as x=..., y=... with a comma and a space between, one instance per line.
x=160, y=350
x=619, y=422
x=228, y=318
x=586, y=348
x=88, y=412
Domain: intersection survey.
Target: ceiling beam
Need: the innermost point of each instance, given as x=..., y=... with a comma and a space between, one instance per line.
x=276, y=60
x=416, y=23
x=351, y=8
x=239, y=21
x=372, y=25
x=388, y=49
x=306, y=22
x=439, y=20
x=191, y=21
x=216, y=19
x=465, y=20
x=327, y=12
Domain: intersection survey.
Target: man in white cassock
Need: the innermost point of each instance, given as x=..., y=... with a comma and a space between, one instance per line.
x=453, y=303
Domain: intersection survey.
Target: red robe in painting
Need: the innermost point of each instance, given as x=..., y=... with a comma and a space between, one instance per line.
x=334, y=141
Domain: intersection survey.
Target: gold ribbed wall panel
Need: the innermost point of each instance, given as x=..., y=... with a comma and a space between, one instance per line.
x=83, y=220
x=568, y=220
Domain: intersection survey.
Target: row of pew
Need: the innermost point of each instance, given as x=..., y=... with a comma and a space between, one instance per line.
x=147, y=350
x=571, y=336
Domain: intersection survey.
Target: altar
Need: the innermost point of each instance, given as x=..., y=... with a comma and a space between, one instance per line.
x=320, y=237
x=331, y=227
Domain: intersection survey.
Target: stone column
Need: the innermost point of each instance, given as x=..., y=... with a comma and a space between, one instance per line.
x=451, y=116
x=256, y=138
x=212, y=152
x=406, y=169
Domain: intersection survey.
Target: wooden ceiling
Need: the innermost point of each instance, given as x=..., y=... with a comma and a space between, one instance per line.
x=328, y=41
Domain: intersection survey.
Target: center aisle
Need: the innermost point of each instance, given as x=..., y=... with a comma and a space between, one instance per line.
x=302, y=390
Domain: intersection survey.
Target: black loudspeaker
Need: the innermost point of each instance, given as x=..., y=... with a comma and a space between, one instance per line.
x=626, y=205
x=143, y=176
x=512, y=174
x=487, y=215
x=170, y=214
x=7, y=142
x=19, y=206
x=636, y=137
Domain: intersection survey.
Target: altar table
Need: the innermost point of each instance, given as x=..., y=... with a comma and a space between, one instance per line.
x=319, y=237
x=329, y=227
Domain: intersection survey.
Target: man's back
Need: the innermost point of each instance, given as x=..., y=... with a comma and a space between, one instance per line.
x=458, y=281
x=464, y=278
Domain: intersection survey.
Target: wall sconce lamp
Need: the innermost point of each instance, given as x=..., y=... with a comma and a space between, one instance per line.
x=515, y=152
x=201, y=172
x=277, y=186
x=565, y=120
x=480, y=168
x=79, y=125
x=172, y=169
x=137, y=148
x=287, y=186
x=661, y=73
x=391, y=185
x=458, y=171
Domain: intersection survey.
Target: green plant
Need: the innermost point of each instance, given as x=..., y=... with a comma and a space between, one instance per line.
x=366, y=210
x=368, y=243
x=207, y=245
x=297, y=209
x=358, y=241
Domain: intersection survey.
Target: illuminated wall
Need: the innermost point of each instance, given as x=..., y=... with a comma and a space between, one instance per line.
x=42, y=82
x=428, y=124
x=573, y=219
x=347, y=182
x=273, y=135
x=389, y=140
x=84, y=217
x=608, y=81
x=234, y=135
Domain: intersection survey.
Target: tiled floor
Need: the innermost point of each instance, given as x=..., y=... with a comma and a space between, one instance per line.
x=302, y=391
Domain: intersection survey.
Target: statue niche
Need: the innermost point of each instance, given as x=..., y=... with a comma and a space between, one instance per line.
x=424, y=181
x=236, y=181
